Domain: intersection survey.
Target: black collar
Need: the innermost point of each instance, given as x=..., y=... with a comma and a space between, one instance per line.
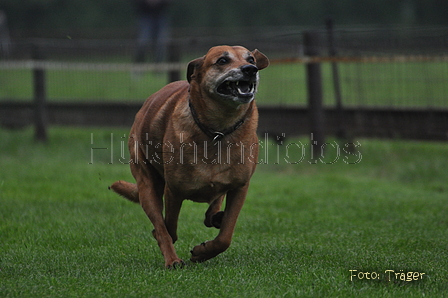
x=216, y=136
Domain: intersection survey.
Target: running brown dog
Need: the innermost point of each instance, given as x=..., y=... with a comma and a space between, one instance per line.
x=196, y=140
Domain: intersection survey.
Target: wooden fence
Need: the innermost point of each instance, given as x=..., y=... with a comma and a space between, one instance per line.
x=284, y=121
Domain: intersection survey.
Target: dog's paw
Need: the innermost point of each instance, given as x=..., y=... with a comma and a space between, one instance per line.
x=177, y=264
x=214, y=220
x=198, y=253
x=207, y=250
x=217, y=219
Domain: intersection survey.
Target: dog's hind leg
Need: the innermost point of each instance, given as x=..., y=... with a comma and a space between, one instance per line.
x=126, y=189
x=213, y=216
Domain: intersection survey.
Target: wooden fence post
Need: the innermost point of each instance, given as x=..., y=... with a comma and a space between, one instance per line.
x=314, y=86
x=40, y=107
x=173, y=57
x=340, y=131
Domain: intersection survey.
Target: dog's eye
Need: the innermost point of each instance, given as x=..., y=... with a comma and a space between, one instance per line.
x=251, y=60
x=222, y=61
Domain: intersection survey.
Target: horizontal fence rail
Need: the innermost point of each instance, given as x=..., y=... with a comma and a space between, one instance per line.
x=163, y=67
x=275, y=121
x=89, y=66
x=367, y=59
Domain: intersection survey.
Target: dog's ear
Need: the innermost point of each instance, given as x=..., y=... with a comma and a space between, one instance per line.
x=261, y=60
x=192, y=67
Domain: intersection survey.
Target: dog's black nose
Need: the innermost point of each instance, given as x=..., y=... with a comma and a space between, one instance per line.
x=249, y=69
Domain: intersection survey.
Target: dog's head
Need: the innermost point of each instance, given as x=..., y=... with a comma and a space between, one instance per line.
x=228, y=73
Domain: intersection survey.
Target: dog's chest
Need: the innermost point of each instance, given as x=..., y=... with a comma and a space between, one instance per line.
x=204, y=183
x=202, y=170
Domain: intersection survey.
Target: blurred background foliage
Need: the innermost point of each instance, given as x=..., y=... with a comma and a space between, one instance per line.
x=116, y=18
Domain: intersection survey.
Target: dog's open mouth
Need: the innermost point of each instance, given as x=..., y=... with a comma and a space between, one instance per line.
x=241, y=88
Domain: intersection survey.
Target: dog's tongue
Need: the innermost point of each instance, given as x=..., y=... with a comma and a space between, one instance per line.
x=238, y=88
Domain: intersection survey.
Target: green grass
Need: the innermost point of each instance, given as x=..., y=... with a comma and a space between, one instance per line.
x=303, y=227
x=367, y=84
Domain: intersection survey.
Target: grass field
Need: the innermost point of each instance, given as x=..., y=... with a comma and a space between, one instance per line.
x=368, y=84
x=303, y=228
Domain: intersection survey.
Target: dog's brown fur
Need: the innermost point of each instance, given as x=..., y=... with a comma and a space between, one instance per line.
x=173, y=158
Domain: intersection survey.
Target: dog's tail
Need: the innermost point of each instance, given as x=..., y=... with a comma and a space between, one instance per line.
x=127, y=190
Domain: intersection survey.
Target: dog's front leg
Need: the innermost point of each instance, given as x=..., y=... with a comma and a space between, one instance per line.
x=234, y=203
x=152, y=203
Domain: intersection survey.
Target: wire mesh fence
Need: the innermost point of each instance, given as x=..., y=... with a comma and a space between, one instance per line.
x=398, y=68
x=389, y=83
